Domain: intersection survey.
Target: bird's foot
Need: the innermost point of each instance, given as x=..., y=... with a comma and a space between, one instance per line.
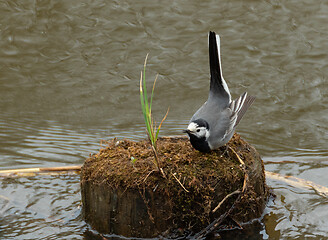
x=225, y=150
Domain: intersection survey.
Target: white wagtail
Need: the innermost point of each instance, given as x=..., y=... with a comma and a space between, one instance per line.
x=214, y=123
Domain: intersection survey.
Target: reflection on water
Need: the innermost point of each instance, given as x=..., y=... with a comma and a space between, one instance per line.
x=69, y=78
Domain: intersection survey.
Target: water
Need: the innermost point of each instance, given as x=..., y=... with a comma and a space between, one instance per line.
x=69, y=75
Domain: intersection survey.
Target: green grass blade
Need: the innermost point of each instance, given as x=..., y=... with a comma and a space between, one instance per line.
x=144, y=110
x=145, y=87
x=142, y=100
x=147, y=106
x=152, y=94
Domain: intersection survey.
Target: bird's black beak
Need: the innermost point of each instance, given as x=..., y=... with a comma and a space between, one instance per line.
x=186, y=131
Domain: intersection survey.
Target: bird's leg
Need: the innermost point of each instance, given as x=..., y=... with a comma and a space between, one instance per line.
x=225, y=150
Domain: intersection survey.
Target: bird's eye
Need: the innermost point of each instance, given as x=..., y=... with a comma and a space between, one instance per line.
x=198, y=130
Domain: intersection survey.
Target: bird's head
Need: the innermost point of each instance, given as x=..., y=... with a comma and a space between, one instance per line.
x=198, y=128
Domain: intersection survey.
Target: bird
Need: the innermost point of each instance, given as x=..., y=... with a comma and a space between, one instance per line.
x=214, y=123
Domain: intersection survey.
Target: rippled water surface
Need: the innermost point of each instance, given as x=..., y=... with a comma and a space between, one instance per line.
x=69, y=73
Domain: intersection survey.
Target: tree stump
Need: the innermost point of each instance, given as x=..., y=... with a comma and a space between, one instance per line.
x=124, y=194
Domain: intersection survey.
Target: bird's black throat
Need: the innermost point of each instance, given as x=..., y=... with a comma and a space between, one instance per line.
x=199, y=144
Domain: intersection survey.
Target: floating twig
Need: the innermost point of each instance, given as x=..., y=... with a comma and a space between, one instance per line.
x=44, y=171
x=294, y=181
x=299, y=183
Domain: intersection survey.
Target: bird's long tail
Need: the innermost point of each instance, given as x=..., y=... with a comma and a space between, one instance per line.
x=218, y=86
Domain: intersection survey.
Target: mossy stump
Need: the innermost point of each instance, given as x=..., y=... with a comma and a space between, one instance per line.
x=123, y=194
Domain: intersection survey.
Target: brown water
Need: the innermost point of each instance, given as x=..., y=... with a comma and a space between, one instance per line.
x=69, y=73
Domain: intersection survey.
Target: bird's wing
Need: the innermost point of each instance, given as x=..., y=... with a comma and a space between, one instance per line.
x=220, y=128
x=219, y=90
x=239, y=108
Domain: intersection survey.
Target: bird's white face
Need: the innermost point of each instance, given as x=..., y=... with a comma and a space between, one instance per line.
x=198, y=131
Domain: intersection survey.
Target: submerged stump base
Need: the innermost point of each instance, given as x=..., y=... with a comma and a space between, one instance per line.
x=124, y=194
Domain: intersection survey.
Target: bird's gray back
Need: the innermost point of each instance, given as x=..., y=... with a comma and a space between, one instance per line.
x=211, y=108
x=212, y=112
